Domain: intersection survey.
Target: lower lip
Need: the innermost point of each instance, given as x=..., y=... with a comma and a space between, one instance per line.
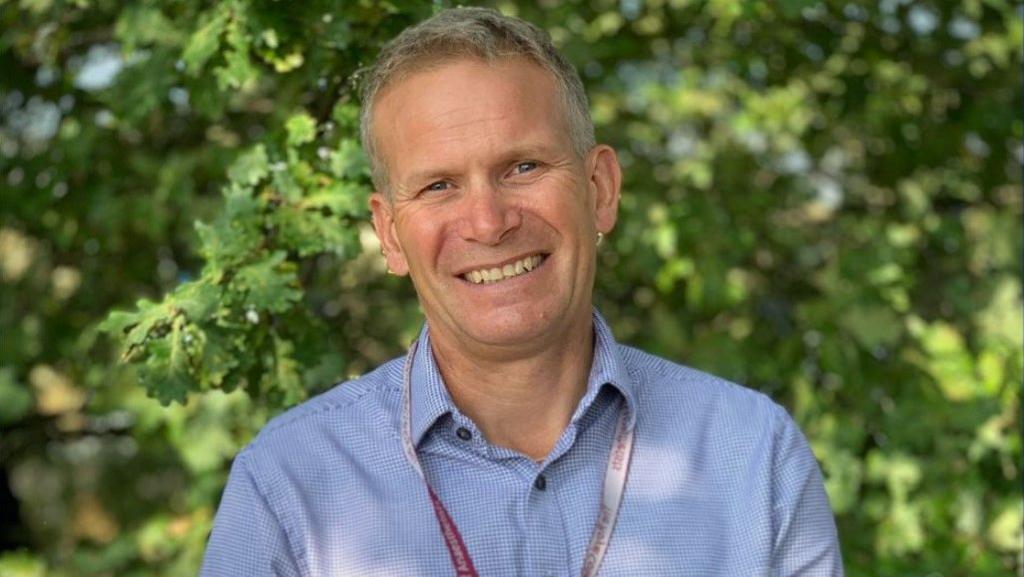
x=508, y=281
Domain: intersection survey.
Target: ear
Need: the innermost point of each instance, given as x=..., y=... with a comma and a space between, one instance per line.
x=605, y=182
x=384, y=226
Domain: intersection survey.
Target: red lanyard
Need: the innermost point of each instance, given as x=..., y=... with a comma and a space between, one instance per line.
x=614, y=486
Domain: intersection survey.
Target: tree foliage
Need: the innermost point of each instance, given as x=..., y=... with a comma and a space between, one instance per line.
x=822, y=201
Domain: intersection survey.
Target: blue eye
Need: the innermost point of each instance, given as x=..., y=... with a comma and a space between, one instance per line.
x=524, y=167
x=438, y=186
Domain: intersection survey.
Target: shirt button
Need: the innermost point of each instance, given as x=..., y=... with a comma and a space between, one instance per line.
x=463, y=433
x=540, y=483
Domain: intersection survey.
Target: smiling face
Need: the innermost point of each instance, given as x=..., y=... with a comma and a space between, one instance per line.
x=490, y=212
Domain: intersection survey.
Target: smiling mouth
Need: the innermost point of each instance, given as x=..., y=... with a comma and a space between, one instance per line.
x=511, y=270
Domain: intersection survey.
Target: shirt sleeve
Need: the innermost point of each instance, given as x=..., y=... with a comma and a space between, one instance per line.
x=806, y=543
x=247, y=538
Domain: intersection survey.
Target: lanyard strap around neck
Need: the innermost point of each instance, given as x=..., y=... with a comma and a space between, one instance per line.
x=614, y=486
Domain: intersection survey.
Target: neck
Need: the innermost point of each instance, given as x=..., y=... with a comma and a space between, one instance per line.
x=523, y=402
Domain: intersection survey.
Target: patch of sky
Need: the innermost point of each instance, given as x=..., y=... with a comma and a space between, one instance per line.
x=104, y=118
x=891, y=25
x=855, y=12
x=754, y=140
x=15, y=176
x=38, y=121
x=12, y=102
x=631, y=9
x=963, y=29
x=46, y=75
x=976, y=145
x=813, y=13
x=717, y=78
x=629, y=73
x=923, y=21
x=8, y=146
x=834, y=160
x=888, y=6
x=81, y=450
x=757, y=69
x=644, y=148
x=637, y=79
x=593, y=69
x=794, y=161
x=178, y=96
x=682, y=143
x=812, y=339
x=99, y=68
x=828, y=192
x=695, y=35
x=814, y=52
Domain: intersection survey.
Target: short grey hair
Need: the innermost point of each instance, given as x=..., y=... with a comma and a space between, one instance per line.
x=480, y=33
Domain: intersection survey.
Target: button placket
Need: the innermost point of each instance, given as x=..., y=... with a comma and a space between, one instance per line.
x=545, y=528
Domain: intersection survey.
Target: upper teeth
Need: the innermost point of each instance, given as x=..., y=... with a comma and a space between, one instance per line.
x=489, y=275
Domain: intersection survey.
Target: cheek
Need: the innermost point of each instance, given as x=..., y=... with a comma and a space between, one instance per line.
x=421, y=236
x=566, y=213
x=557, y=199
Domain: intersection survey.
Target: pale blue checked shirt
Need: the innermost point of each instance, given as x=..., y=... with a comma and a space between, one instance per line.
x=722, y=483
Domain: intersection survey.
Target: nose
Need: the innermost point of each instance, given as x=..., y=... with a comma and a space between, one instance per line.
x=488, y=216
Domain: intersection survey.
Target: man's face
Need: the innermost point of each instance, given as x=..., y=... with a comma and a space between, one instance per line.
x=491, y=213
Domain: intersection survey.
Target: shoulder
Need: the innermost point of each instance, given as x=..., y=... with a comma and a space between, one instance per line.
x=729, y=435
x=673, y=394
x=352, y=411
x=337, y=447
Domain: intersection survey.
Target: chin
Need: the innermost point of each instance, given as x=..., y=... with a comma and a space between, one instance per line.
x=509, y=326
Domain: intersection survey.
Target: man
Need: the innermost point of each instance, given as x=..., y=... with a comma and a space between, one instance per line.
x=516, y=438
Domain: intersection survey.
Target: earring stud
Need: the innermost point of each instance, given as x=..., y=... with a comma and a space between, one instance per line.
x=600, y=238
x=384, y=253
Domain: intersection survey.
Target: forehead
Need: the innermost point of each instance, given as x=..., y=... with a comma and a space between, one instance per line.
x=464, y=84
x=448, y=111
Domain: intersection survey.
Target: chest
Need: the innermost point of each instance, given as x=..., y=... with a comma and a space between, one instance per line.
x=680, y=515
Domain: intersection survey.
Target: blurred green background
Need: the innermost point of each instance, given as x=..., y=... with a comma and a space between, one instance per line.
x=822, y=201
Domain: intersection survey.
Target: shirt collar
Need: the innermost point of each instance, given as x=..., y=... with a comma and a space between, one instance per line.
x=430, y=399
x=607, y=368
